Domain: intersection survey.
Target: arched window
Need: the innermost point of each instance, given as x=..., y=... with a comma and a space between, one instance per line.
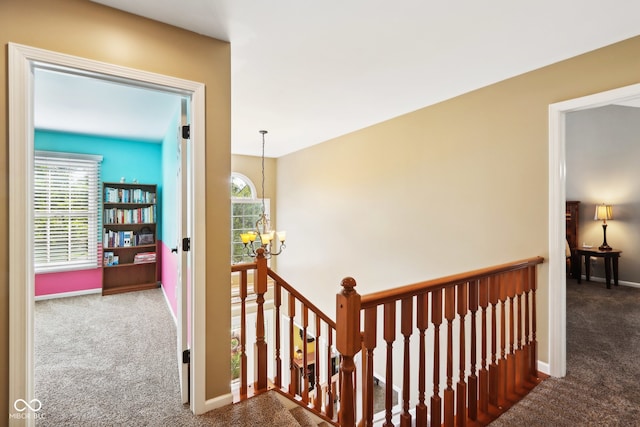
x=246, y=208
x=242, y=187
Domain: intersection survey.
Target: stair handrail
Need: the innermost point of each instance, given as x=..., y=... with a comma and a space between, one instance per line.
x=322, y=403
x=277, y=278
x=351, y=308
x=351, y=339
x=395, y=294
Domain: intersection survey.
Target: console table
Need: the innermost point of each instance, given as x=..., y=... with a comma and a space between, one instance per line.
x=610, y=260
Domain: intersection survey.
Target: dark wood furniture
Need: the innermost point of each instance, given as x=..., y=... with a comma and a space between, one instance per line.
x=298, y=380
x=610, y=263
x=572, y=216
x=129, y=233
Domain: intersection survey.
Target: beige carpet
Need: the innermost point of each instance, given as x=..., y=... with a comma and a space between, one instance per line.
x=111, y=361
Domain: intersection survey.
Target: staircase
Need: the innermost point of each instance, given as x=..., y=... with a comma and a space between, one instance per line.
x=267, y=409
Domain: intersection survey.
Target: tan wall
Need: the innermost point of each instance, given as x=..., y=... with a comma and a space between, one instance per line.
x=89, y=30
x=251, y=167
x=449, y=188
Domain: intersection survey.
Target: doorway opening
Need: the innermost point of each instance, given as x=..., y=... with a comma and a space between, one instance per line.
x=23, y=60
x=557, y=200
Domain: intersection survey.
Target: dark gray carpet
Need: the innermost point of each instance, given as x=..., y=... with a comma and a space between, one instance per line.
x=602, y=386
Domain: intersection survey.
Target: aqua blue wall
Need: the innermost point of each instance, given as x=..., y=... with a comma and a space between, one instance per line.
x=169, y=184
x=130, y=159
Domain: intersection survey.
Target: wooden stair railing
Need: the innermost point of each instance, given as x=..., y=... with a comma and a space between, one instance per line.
x=308, y=376
x=506, y=346
x=492, y=311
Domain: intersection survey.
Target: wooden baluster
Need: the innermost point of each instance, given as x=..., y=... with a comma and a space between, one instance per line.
x=293, y=384
x=389, y=337
x=278, y=303
x=461, y=389
x=473, y=378
x=510, y=379
x=260, y=288
x=328, y=407
x=520, y=353
x=348, y=343
x=526, y=332
x=305, y=355
x=317, y=400
x=502, y=362
x=533, y=360
x=483, y=375
x=406, y=327
x=243, y=334
x=493, y=367
x=436, y=319
x=449, y=314
x=369, y=344
x=422, y=322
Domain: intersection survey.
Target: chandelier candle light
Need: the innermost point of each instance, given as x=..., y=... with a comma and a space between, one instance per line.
x=263, y=237
x=604, y=212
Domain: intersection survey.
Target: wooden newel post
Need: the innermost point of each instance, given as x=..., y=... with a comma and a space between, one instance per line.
x=260, y=288
x=348, y=343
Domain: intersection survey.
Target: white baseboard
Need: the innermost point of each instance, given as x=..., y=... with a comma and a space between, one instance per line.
x=630, y=284
x=543, y=367
x=68, y=294
x=603, y=280
x=217, y=402
x=166, y=299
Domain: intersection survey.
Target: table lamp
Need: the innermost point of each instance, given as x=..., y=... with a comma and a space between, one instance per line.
x=604, y=212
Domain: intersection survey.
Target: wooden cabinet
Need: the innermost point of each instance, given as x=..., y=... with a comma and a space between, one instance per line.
x=573, y=239
x=573, y=219
x=129, y=237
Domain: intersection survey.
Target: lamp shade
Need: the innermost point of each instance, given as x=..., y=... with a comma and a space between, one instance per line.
x=603, y=212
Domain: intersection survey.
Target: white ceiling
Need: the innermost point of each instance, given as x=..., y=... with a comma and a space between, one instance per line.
x=88, y=105
x=311, y=71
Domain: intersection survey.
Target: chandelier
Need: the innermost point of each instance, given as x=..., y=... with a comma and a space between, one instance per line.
x=262, y=236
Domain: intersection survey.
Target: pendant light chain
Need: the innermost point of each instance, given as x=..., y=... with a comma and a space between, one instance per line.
x=263, y=132
x=263, y=241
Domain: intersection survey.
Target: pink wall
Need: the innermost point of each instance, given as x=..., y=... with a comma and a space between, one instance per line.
x=83, y=280
x=68, y=281
x=169, y=274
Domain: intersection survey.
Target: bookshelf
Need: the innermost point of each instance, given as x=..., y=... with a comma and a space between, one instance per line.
x=129, y=237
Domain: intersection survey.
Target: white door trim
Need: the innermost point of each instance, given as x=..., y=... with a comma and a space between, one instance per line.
x=557, y=225
x=22, y=60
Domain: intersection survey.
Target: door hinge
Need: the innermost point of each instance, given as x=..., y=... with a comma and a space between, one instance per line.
x=186, y=132
x=186, y=244
x=186, y=356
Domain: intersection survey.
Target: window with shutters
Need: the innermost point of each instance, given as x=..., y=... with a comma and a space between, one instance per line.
x=66, y=211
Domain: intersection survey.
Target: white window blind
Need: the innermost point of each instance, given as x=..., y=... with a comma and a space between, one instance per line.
x=66, y=211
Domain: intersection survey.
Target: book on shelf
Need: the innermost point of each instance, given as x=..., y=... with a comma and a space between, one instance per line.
x=128, y=195
x=127, y=238
x=144, y=257
x=108, y=259
x=144, y=215
x=118, y=239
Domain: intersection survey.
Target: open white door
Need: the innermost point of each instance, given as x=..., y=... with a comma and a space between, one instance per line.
x=183, y=256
